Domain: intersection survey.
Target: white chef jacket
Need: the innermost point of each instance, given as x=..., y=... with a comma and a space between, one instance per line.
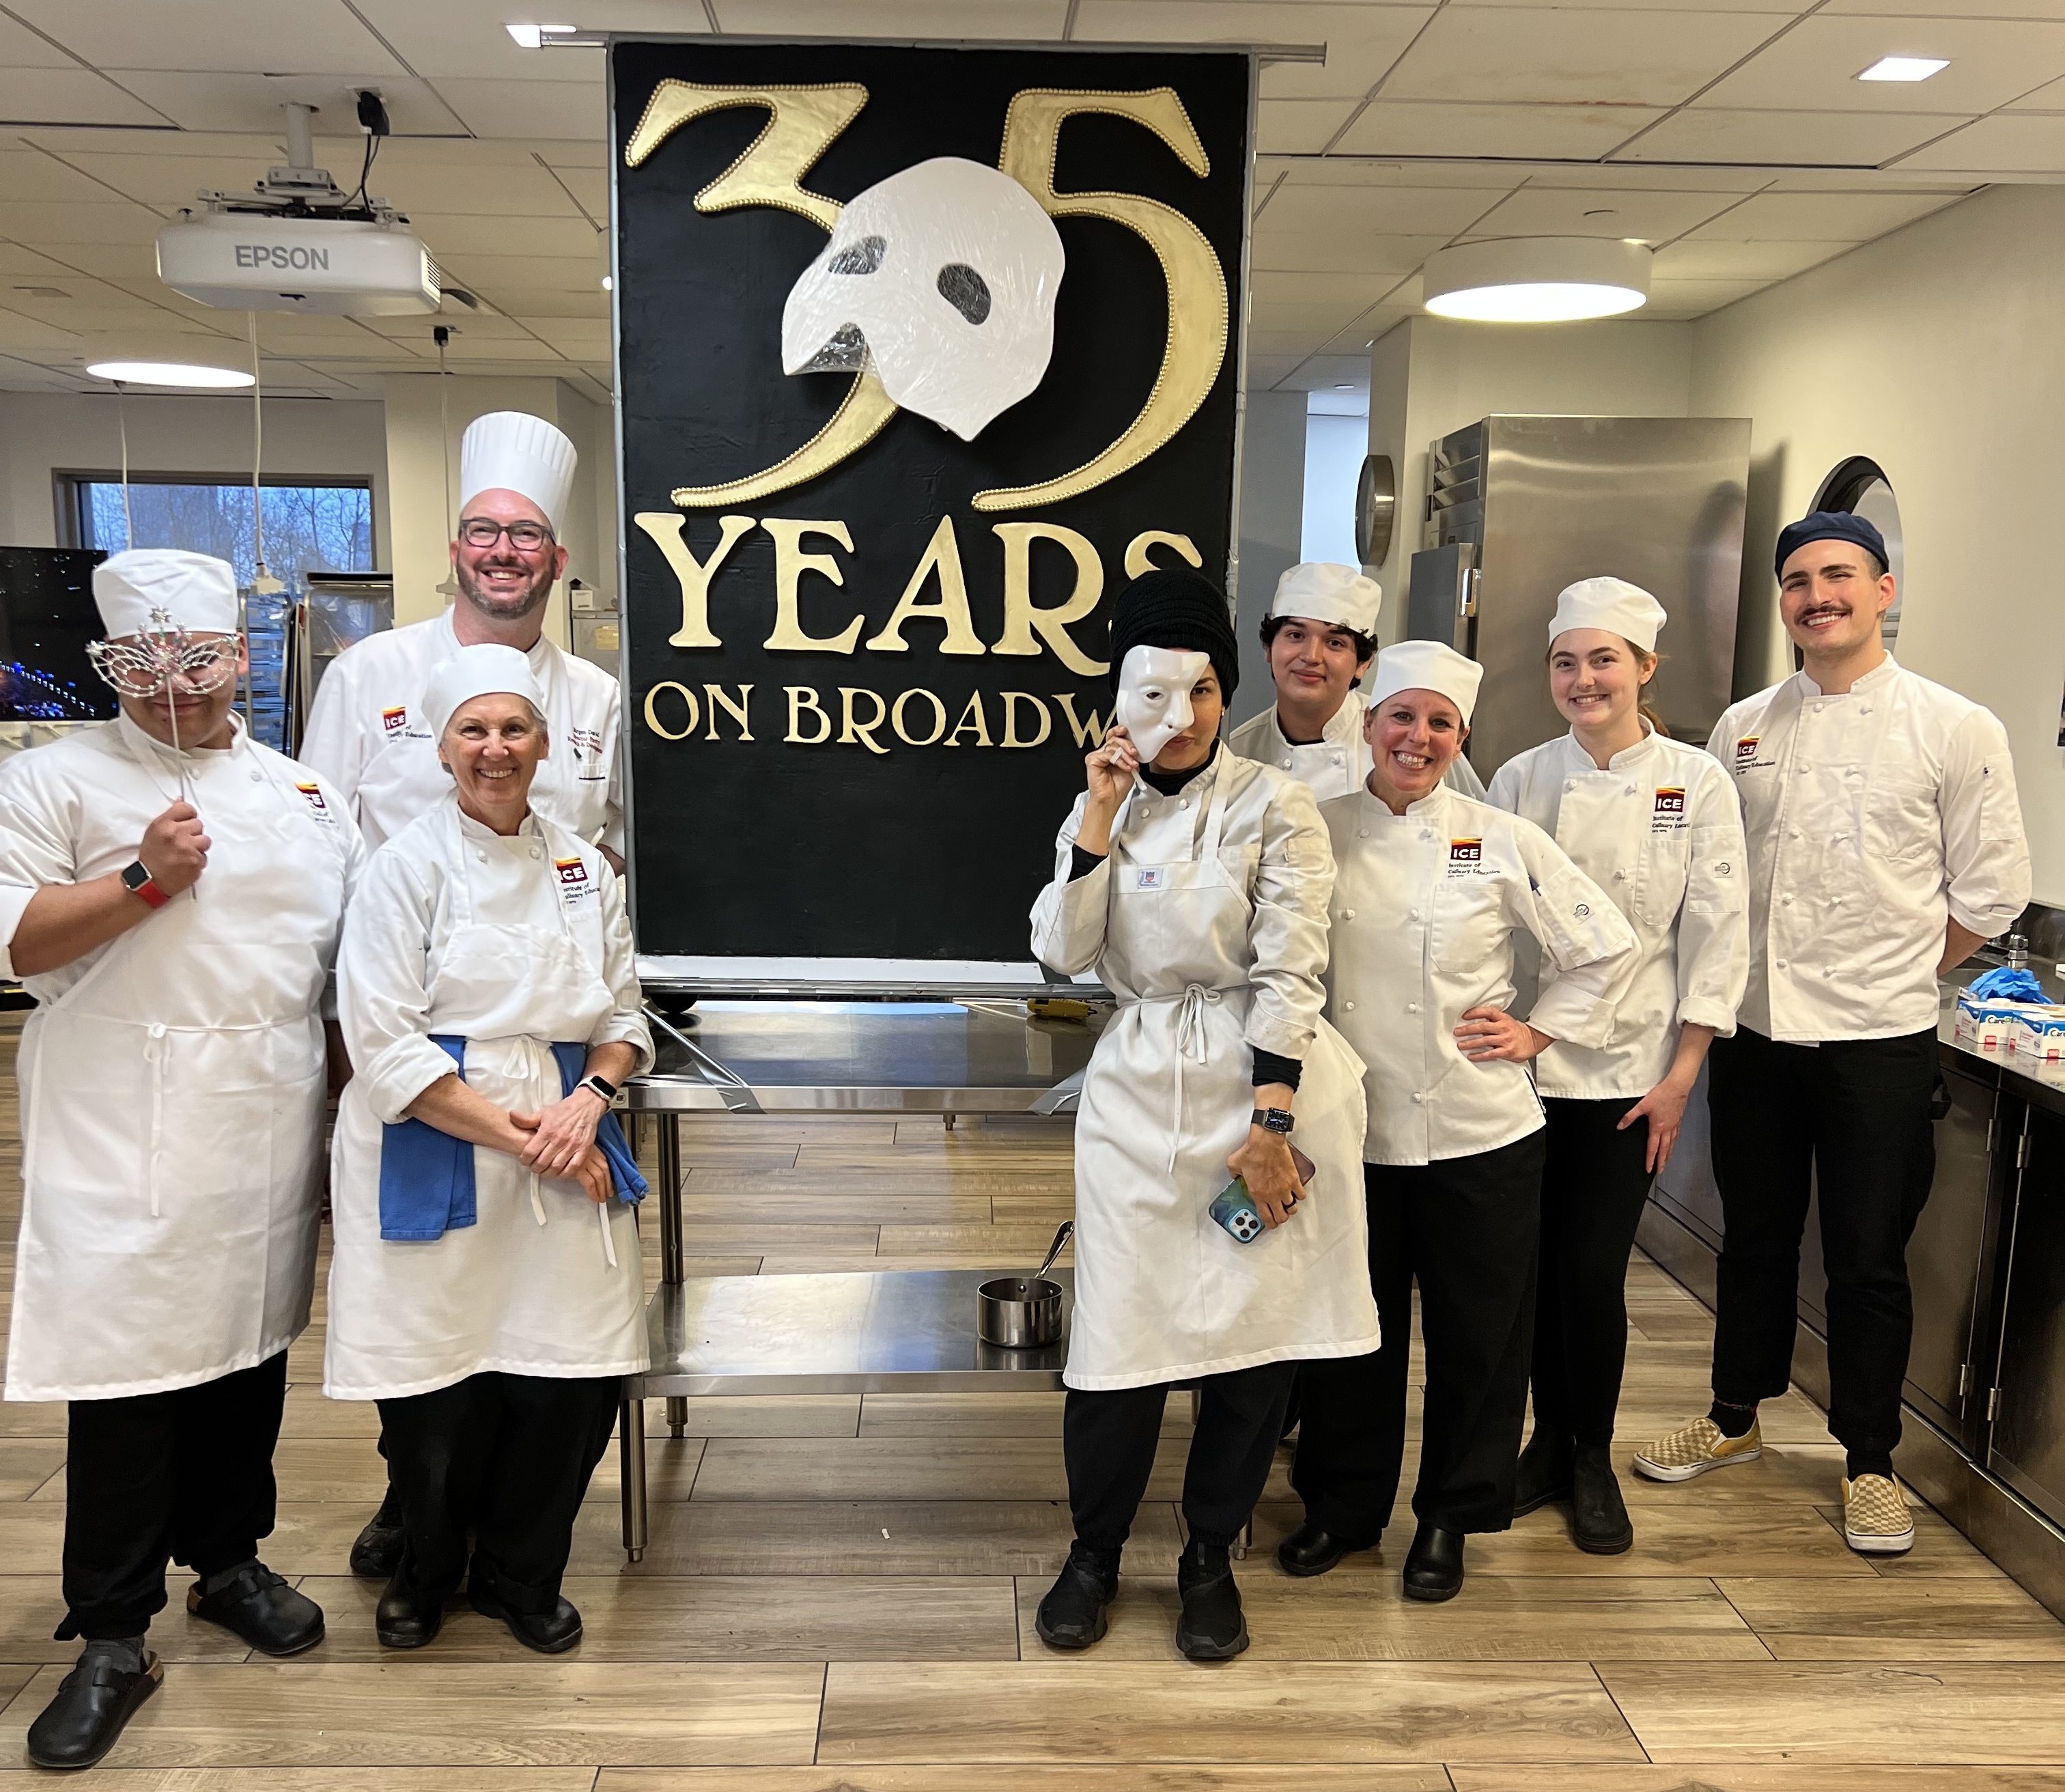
x=1873, y=817
x=1659, y=832
x=1339, y=761
x=511, y=943
x=369, y=736
x=1425, y=908
x=173, y=1080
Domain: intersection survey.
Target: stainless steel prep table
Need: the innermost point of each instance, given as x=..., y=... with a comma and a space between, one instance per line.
x=865, y=1333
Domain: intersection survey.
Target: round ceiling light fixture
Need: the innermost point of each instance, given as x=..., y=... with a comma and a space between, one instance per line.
x=193, y=362
x=1537, y=280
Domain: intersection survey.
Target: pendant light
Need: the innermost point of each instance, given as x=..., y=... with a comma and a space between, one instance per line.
x=1537, y=279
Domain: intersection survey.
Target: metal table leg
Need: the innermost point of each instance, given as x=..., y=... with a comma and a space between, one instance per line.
x=673, y=1269
x=631, y=1455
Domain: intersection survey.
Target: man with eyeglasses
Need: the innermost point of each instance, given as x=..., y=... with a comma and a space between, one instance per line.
x=369, y=733
x=171, y=893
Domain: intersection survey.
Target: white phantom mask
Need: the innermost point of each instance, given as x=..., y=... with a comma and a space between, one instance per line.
x=1154, y=695
x=943, y=279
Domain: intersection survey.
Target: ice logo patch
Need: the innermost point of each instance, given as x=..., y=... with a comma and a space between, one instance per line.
x=1670, y=802
x=1746, y=749
x=1465, y=852
x=394, y=721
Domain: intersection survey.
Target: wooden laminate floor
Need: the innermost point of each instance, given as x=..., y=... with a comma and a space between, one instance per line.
x=839, y=1591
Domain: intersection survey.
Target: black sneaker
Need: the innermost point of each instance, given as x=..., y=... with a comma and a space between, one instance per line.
x=1071, y=1616
x=93, y=1702
x=258, y=1605
x=377, y=1552
x=1212, y=1628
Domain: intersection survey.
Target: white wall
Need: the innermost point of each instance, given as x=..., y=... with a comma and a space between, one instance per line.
x=1937, y=351
x=1335, y=447
x=45, y=433
x=1272, y=521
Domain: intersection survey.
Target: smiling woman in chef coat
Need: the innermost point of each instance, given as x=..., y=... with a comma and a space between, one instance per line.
x=1431, y=891
x=486, y=1289
x=1195, y=883
x=1656, y=826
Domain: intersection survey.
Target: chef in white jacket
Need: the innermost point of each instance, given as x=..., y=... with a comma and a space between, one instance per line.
x=485, y=1288
x=368, y=732
x=1195, y=885
x=1431, y=890
x=1320, y=635
x=174, y=913
x=1656, y=826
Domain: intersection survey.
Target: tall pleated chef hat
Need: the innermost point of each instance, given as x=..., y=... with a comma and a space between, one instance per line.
x=1613, y=604
x=1426, y=665
x=473, y=672
x=1325, y=593
x=511, y=451
x=195, y=591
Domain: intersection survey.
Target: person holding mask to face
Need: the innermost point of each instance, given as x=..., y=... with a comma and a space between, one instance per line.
x=1885, y=844
x=1431, y=891
x=485, y=1289
x=1321, y=634
x=1656, y=825
x=1194, y=882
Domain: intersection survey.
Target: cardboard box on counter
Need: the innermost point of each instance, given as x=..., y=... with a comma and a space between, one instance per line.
x=2039, y=1032
x=1989, y=1022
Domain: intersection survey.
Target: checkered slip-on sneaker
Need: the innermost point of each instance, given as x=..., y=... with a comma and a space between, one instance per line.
x=1876, y=1520
x=1695, y=1448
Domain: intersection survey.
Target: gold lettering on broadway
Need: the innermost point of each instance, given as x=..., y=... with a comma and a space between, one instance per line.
x=866, y=715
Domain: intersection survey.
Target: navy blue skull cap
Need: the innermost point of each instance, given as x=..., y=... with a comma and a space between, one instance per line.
x=1830, y=525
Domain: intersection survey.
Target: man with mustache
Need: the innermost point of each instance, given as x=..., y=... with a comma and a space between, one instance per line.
x=368, y=735
x=1885, y=844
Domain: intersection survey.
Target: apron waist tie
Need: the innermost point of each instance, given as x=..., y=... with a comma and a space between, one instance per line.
x=156, y=1047
x=1192, y=1041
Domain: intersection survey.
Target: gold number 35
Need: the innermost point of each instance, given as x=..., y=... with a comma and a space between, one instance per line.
x=803, y=123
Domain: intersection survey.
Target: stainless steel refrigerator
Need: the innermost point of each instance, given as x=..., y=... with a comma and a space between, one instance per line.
x=1518, y=507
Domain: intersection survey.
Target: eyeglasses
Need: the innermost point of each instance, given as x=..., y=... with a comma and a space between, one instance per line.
x=142, y=666
x=484, y=531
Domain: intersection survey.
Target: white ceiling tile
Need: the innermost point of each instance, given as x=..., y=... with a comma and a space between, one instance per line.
x=1418, y=127
x=525, y=190
x=1319, y=212
x=68, y=95
x=1349, y=292
x=129, y=262
x=1859, y=140
x=20, y=47
x=1362, y=41
x=240, y=102
x=1343, y=170
x=937, y=19
x=548, y=274
x=2049, y=98
x=1347, y=252
x=44, y=225
x=1700, y=259
x=467, y=37
x=318, y=36
x=1783, y=9
x=1639, y=216
x=1263, y=370
x=21, y=329
x=1949, y=9
x=562, y=237
x=528, y=303
x=1576, y=55
x=254, y=149
x=29, y=174
x=1815, y=67
x=2009, y=143
x=1670, y=300
x=1819, y=217
x=1903, y=178
x=539, y=110
x=1298, y=127
x=580, y=339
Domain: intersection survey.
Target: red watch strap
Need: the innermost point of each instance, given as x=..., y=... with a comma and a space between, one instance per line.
x=148, y=890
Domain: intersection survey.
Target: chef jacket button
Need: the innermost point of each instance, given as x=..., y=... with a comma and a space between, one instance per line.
x=1787, y=901
x=1417, y=1096
x=1620, y=877
x=258, y=778
x=1412, y=914
x=1287, y=762
x=1412, y=1008
x=1347, y=914
x=1795, y=834
x=534, y=852
x=1338, y=760
x=1362, y=833
x=1828, y=970
x=1781, y=964
x=1183, y=802
x=1805, y=767
x=482, y=857
x=1629, y=792
x=1568, y=784
x=1347, y=1008
x=1426, y=833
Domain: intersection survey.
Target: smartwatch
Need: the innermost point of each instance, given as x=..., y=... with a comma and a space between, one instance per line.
x=1272, y=1119
x=598, y=1085
x=137, y=880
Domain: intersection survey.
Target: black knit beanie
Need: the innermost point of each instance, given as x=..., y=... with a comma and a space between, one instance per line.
x=1179, y=609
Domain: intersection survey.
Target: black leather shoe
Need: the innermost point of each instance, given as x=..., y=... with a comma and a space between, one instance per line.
x=94, y=1702
x=1434, y=1564
x=1542, y=1476
x=1309, y=1551
x=551, y=1633
x=1071, y=1616
x=403, y=1622
x=1212, y=1627
x=377, y=1552
x=1599, y=1523
x=259, y=1606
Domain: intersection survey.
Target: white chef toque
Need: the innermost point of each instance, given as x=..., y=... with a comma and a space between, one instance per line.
x=1613, y=604
x=1326, y=592
x=196, y=592
x=511, y=451
x=1426, y=665
x=473, y=672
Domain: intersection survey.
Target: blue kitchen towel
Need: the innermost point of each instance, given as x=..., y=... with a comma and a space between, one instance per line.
x=426, y=1185
x=2004, y=984
x=609, y=1138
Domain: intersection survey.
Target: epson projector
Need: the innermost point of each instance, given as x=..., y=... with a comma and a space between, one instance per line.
x=340, y=267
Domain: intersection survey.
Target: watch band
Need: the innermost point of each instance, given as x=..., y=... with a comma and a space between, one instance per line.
x=137, y=880
x=1272, y=1119
x=598, y=1085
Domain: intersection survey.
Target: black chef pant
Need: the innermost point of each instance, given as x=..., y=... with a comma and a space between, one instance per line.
x=1594, y=1185
x=1855, y=1114
x=185, y=1475
x=1109, y=1437
x=1466, y=1230
x=506, y=1458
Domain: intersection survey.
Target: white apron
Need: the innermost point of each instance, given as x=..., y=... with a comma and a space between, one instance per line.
x=169, y=1165
x=529, y=1289
x=1162, y=1292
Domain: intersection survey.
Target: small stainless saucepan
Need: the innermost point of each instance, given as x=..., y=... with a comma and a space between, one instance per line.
x=1021, y=1312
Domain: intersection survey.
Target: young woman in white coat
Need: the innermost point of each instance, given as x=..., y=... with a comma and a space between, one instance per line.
x=1432, y=893
x=1656, y=826
x=1195, y=885
x=485, y=1289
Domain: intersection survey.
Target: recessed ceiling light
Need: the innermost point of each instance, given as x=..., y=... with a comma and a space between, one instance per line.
x=1344, y=386
x=1537, y=280
x=608, y=284
x=1905, y=68
x=167, y=373
x=532, y=37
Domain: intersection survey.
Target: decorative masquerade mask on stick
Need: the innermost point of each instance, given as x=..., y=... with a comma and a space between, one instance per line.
x=144, y=665
x=1154, y=695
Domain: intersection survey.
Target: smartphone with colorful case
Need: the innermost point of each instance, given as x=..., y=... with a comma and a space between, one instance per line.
x=1234, y=1208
